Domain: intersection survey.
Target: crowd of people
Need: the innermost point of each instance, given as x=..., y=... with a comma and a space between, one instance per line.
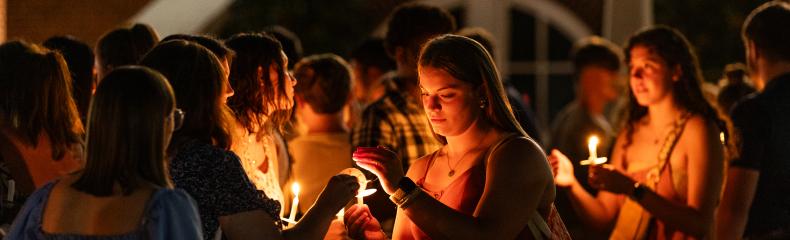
x=194, y=137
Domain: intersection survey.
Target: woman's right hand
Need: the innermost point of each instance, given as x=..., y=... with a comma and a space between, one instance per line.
x=360, y=224
x=337, y=193
x=562, y=168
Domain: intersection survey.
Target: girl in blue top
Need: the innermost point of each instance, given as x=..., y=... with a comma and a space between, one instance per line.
x=124, y=192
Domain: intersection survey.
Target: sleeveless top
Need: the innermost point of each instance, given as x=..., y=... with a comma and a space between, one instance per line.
x=169, y=214
x=41, y=167
x=259, y=159
x=464, y=193
x=672, y=185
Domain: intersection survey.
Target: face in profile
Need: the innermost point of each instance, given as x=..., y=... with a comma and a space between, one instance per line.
x=651, y=78
x=451, y=105
x=290, y=82
x=227, y=89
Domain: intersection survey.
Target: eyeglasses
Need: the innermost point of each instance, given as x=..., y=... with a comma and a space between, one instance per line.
x=178, y=118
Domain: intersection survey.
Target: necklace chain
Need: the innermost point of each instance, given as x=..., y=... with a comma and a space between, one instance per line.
x=447, y=155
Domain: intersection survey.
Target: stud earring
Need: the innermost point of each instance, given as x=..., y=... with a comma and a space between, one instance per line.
x=483, y=103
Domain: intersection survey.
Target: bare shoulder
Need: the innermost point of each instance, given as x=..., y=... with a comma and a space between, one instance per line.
x=418, y=168
x=520, y=154
x=698, y=128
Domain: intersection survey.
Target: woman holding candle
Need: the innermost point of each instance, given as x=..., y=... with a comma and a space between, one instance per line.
x=201, y=163
x=665, y=177
x=489, y=180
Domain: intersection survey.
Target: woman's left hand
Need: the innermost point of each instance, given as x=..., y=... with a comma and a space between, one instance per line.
x=382, y=162
x=606, y=177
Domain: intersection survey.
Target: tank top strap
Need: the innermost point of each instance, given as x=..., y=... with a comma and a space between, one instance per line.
x=421, y=181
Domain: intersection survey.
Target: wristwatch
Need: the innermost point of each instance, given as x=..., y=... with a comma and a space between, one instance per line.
x=639, y=191
x=406, y=184
x=406, y=191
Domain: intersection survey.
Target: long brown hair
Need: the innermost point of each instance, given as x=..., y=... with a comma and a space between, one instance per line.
x=127, y=132
x=198, y=81
x=467, y=60
x=35, y=96
x=255, y=96
x=675, y=50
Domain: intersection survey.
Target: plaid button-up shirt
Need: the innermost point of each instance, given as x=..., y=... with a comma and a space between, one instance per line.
x=398, y=122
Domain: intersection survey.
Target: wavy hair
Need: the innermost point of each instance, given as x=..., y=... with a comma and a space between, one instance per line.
x=675, y=50
x=256, y=100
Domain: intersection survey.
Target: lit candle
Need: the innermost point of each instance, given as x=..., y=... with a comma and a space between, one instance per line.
x=592, y=145
x=295, y=203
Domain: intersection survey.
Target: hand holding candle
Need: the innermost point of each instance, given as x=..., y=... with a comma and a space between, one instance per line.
x=592, y=146
x=363, y=182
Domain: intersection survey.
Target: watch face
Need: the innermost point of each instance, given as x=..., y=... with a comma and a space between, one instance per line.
x=639, y=190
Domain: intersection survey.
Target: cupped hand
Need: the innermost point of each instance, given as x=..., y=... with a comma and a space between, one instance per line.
x=382, y=162
x=606, y=177
x=360, y=224
x=562, y=168
x=338, y=192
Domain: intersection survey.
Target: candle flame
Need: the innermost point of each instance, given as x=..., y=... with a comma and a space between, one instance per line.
x=366, y=192
x=592, y=143
x=295, y=188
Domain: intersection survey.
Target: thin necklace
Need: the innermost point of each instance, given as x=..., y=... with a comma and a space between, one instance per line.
x=447, y=155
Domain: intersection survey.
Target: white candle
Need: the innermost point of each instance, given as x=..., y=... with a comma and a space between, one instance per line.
x=592, y=145
x=295, y=203
x=341, y=214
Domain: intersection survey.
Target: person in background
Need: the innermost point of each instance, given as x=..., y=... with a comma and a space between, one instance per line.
x=79, y=58
x=369, y=63
x=292, y=45
x=322, y=93
x=397, y=120
x=664, y=177
x=41, y=135
x=489, y=180
x=216, y=47
x=262, y=105
x=736, y=86
x=125, y=190
x=596, y=64
x=756, y=203
x=123, y=46
x=524, y=115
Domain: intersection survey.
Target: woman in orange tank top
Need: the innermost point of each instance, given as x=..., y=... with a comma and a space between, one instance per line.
x=489, y=180
x=665, y=175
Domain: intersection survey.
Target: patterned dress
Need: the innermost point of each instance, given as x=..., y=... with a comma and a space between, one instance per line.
x=216, y=180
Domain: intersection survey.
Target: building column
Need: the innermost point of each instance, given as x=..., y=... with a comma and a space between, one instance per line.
x=621, y=18
x=493, y=16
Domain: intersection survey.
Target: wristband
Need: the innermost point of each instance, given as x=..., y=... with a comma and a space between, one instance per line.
x=639, y=192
